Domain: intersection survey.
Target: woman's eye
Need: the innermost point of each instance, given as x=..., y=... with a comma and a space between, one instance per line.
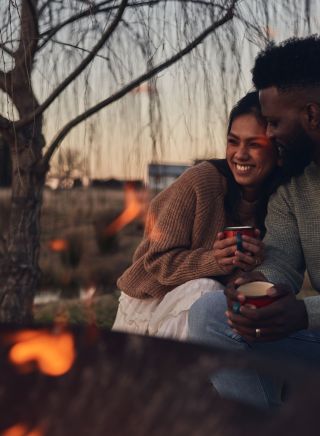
x=232, y=141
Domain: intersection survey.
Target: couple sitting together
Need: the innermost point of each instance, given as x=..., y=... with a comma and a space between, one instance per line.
x=185, y=274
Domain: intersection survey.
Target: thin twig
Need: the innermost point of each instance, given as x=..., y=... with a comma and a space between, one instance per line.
x=97, y=9
x=129, y=87
x=78, y=48
x=86, y=61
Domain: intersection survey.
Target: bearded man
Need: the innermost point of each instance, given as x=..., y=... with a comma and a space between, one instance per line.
x=288, y=79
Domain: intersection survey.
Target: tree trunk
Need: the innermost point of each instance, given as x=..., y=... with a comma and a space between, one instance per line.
x=19, y=267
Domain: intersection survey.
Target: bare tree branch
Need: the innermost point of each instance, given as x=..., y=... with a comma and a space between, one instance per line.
x=97, y=9
x=86, y=61
x=144, y=77
x=3, y=81
x=78, y=48
x=87, y=12
x=6, y=50
x=4, y=123
x=29, y=37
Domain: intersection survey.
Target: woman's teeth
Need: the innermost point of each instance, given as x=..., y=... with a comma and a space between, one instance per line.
x=243, y=167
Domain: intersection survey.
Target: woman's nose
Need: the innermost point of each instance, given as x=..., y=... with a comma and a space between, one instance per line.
x=242, y=152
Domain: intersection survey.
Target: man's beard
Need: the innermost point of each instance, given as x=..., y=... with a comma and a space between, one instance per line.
x=297, y=154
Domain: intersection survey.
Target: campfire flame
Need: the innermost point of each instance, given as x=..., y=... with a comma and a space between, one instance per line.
x=135, y=206
x=58, y=245
x=53, y=353
x=21, y=430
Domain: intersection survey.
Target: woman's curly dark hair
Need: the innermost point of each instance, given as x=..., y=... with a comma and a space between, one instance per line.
x=292, y=63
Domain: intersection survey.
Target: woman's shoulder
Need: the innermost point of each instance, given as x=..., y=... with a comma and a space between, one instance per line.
x=202, y=179
x=206, y=173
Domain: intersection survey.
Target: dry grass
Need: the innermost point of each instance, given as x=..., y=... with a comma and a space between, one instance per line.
x=77, y=215
x=100, y=311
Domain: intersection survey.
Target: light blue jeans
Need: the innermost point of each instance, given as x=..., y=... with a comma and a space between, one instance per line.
x=208, y=325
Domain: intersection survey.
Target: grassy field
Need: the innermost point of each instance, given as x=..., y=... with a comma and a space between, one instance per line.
x=92, y=261
x=100, y=311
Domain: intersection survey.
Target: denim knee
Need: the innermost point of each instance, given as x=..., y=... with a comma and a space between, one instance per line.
x=207, y=313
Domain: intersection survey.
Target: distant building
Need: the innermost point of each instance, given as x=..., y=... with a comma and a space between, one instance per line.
x=161, y=175
x=107, y=183
x=116, y=183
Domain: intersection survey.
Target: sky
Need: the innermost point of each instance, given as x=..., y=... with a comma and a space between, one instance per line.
x=190, y=99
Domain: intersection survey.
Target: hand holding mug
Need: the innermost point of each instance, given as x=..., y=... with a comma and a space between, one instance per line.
x=224, y=252
x=250, y=249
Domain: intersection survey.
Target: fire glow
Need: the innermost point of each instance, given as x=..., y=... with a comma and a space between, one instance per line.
x=53, y=353
x=134, y=207
x=21, y=430
x=58, y=245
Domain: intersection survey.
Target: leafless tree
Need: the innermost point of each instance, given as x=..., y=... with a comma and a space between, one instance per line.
x=49, y=52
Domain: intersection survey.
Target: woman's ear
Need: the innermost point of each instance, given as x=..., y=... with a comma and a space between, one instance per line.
x=312, y=116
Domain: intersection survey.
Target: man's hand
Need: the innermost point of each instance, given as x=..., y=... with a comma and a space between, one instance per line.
x=233, y=296
x=275, y=321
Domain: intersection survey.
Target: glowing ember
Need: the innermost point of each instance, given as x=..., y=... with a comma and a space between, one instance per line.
x=21, y=430
x=53, y=353
x=58, y=245
x=134, y=207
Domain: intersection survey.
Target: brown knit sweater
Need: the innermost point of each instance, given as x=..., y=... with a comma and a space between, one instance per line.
x=182, y=225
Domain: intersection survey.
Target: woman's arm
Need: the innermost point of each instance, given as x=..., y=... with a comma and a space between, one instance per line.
x=175, y=217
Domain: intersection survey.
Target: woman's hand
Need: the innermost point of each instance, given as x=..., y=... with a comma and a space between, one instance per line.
x=252, y=254
x=224, y=252
x=229, y=257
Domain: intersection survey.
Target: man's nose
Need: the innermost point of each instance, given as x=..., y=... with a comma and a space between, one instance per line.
x=270, y=131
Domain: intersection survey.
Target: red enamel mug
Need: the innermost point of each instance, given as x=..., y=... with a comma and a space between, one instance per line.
x=256, y=293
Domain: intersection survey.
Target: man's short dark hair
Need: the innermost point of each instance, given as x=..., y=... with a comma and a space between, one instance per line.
x=292, y=63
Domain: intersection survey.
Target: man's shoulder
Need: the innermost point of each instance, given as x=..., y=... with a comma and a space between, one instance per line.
x=301, y=185
x=300, y=191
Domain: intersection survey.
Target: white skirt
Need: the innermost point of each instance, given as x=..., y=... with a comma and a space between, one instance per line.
x=166, y=317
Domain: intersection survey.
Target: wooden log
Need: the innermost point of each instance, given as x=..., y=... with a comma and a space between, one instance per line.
x=122, y=384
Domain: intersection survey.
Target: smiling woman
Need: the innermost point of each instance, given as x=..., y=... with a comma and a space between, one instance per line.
x=184, y=253
x=250, y=156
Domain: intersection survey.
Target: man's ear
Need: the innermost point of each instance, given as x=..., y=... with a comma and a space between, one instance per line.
x=312, y=113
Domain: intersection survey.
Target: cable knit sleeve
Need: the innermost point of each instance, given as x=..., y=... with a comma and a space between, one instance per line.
x=175, y=217
x=284, y=261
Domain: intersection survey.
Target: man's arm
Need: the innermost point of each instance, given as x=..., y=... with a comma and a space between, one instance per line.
x=284, y=261
x=284, y=266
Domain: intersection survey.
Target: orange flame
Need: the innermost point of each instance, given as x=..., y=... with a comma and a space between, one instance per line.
x=53, y=353
x=58, y=245
x=134, y=207
x=21, y=430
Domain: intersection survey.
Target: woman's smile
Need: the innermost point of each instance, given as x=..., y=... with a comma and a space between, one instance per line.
x=251, y=157
x=243, y=168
